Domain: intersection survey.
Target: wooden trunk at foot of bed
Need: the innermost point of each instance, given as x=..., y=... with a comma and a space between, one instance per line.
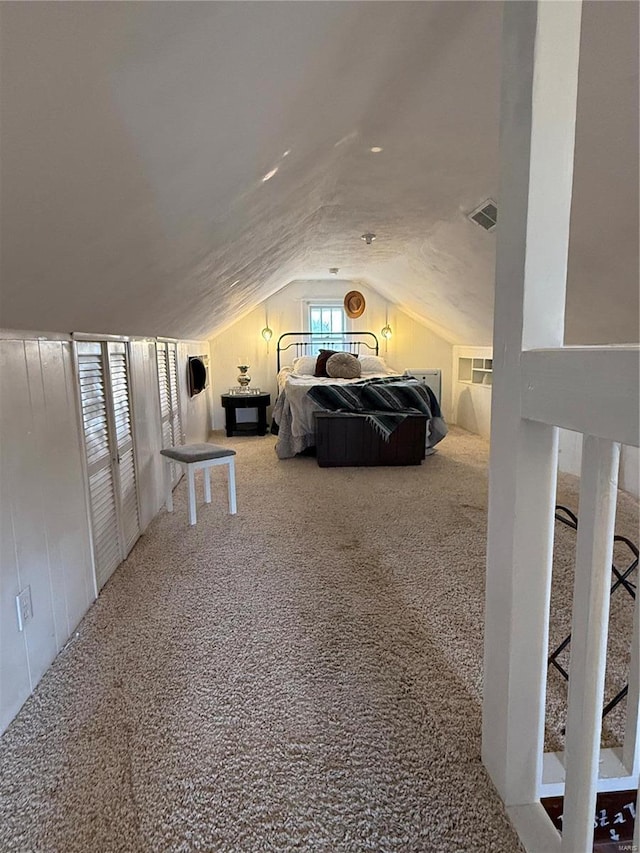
x=349, y=440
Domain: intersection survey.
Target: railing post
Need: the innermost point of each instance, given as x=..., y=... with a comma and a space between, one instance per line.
x=631, y=746
x=589, y=631
x=539, y=93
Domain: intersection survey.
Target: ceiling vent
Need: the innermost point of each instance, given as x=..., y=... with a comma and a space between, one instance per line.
x=486, y=215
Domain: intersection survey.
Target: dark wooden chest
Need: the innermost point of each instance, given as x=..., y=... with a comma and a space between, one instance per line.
x=345, y=440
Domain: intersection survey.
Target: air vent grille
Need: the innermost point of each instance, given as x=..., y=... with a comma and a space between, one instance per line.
x=486, y=216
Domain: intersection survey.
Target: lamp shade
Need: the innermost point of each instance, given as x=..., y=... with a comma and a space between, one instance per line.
x=386, y=332
x=267, y=333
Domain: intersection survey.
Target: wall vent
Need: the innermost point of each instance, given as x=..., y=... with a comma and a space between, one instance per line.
x=486, y=216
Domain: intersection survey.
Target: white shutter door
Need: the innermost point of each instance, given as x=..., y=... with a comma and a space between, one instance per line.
x=176, y=422
x=102, y=493
x=163, y=386
x=169, y=404
x=123, y=436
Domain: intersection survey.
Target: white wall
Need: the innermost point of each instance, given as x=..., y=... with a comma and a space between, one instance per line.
x=412, y=344
x=195, y=411
x=570, y=459
x=471, y=403
x=45, y=533
x=472, y=411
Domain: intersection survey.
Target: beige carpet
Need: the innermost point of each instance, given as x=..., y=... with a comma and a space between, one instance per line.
x=305, y=676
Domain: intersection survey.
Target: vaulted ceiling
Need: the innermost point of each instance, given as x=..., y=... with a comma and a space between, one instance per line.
x=136, y=137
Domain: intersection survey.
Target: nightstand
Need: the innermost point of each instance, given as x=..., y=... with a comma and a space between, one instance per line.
x=232, y=402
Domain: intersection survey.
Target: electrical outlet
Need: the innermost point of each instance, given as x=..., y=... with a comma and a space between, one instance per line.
x=24, y=607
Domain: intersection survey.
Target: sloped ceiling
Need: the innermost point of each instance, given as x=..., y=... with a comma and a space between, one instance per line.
x=135, y=139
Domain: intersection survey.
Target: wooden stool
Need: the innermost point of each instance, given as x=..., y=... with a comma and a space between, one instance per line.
x=193, y=457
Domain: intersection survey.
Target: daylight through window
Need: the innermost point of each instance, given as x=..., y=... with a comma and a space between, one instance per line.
x=329, y=320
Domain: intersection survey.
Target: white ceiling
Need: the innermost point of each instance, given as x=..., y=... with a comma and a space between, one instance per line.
x=135, y=137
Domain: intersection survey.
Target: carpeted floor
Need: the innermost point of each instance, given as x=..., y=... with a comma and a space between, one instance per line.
x=305, y=676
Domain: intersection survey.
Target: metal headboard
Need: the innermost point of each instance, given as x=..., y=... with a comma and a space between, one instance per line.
x=304, y=343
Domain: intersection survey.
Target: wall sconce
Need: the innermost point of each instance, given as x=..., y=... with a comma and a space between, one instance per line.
x=386, y=332
x=267, y=334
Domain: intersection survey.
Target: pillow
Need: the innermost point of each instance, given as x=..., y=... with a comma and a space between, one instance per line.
x=321, y=361
x=304, y=364
x=343, y=365
x=373, y=364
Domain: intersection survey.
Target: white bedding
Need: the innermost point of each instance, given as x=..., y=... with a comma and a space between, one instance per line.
x=293, y=411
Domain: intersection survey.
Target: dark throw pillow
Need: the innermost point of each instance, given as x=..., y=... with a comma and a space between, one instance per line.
x=321, y=363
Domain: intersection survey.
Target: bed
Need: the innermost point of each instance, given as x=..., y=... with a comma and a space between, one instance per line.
x=379, y=388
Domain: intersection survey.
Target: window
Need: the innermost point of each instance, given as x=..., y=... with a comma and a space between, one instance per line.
x=327, y=319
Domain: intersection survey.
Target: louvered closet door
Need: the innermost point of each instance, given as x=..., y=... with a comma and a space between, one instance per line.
x=123, y=440
x=165, y=398
x=94, y=390
x=169, y=405
x=176, y=422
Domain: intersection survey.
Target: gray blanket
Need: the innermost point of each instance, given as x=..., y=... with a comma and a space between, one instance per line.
x=385, y=403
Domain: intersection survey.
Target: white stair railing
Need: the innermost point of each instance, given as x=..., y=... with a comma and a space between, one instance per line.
x=540, y=385
x=594, y=553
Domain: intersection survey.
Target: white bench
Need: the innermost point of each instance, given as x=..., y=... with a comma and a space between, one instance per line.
x=193, y=457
